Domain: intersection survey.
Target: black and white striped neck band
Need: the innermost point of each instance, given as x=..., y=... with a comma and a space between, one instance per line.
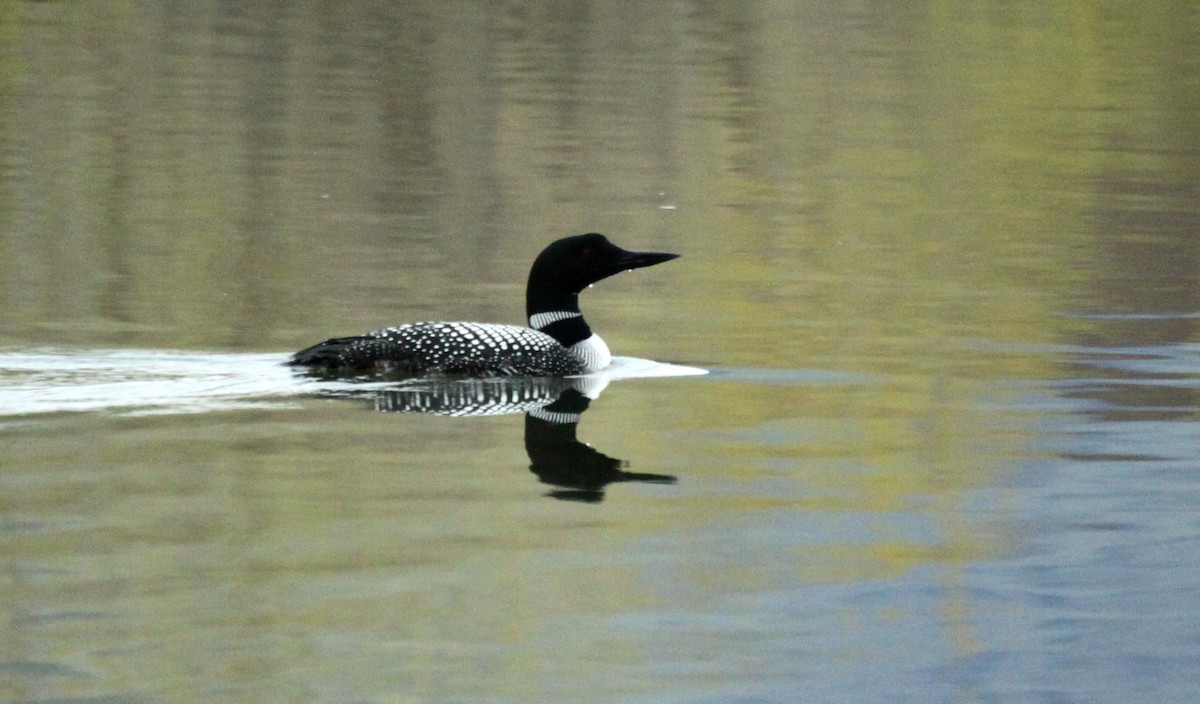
x=557, y=417
x=541, y=320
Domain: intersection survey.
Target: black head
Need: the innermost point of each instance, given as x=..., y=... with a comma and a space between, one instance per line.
x=571, y=264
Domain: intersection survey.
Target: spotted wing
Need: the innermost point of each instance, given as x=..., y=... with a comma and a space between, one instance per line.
x=471, y=349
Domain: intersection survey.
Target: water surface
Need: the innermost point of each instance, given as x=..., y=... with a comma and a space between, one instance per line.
x=941, y=263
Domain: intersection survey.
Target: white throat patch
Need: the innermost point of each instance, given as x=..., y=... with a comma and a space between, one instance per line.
x=593, y=353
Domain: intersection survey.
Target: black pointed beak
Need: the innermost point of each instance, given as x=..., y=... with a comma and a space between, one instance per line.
x=637, y=260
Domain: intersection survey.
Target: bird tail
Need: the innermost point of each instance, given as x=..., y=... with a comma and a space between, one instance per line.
x=330, y=353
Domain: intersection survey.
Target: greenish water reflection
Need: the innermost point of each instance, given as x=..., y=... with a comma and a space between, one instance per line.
x=942, y=259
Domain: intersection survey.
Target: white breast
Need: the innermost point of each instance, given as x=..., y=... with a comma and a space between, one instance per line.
x=593, y=353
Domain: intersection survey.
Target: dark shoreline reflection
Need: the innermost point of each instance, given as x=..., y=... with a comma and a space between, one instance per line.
x=552, y=408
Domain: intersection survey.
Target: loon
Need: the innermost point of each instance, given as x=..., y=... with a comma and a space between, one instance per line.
x=558, y=341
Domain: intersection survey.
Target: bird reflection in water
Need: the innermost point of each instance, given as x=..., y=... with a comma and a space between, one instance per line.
x=552, y=408
x=559, y=459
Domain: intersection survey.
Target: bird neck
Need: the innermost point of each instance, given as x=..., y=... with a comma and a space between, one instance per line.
x=565, y=324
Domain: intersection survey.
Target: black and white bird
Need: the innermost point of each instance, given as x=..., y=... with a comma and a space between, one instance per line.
x=558, y=341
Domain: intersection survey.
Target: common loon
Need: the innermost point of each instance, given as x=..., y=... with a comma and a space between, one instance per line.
x=558, y=341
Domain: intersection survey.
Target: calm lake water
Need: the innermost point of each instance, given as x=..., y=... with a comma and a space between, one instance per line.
x=942, y=263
